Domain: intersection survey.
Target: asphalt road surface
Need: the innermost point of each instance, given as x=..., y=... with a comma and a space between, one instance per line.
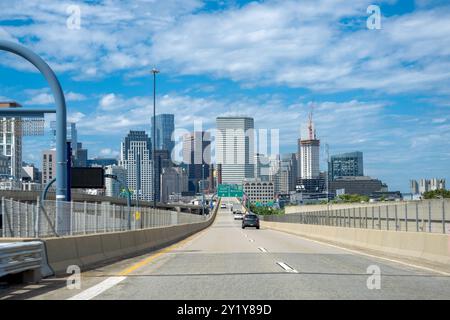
x=227, y=262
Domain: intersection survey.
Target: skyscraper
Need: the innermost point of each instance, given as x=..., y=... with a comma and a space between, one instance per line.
x=262, y=167
x=346, y=165
x=235, y=148
x=197, y=157
x=174, y=181
x=165, y=126
x=310, y=153
x=11, y=140
x=136, y=158
x=48, y=165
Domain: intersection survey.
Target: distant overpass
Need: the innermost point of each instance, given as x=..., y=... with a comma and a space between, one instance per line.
x=31, y=197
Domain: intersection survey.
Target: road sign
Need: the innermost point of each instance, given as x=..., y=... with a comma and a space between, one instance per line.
x=230, y=190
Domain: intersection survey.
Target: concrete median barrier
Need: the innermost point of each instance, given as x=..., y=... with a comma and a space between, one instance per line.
x=89, y=251
x=430, y=248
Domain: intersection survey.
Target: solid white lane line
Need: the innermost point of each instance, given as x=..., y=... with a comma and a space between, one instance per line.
x=262, y=249
x=286, y=267
x=94, y=291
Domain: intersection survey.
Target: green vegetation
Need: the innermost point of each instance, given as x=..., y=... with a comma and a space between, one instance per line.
x=265, y=210
x=437, y=194
x=351, y=198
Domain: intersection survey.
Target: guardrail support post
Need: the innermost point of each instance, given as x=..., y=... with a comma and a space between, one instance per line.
x=396, y=220
x=429, y=217
x=36, y=219
x=406, y=217
x=417, y=217
x=387, y=217
x=96, y=216
x=3, y=218
x=85, y=216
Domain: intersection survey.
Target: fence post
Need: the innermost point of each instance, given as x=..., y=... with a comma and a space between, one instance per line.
x=104, y=216
x=396, y=218
x=114, y=217
x=417, y=217
x=387, y=217
x=3, y=218
x=360, y=217
x=365, y=216
x=379, y=217
x=72, y=218
x=354, y=217
x=36, y=219
x=373, y=217
x=429, y=216
x=85, y=217
x=406, y=216
x=96, y=216
x=443, y=215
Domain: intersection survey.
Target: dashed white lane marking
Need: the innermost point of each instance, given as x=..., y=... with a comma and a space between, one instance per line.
x=262, y=249
x=286, y=267
x=94, y=291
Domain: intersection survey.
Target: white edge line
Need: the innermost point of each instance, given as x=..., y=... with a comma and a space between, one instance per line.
x=370, y=255
x=94, y=291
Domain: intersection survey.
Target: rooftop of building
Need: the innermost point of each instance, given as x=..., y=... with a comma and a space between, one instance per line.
x=9, y=104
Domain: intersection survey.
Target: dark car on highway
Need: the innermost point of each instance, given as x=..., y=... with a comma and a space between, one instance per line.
x=250, y=220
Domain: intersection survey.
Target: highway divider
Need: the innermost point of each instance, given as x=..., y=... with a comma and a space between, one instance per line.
x=426, y=247
x=89, y=251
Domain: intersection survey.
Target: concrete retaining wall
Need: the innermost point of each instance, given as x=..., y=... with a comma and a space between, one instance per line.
x=88, y=251
x=427, y=247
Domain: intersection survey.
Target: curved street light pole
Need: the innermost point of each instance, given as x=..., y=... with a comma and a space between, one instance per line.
x=62, y=190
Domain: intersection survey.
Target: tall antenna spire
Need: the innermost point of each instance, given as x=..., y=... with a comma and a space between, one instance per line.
x=312, y=132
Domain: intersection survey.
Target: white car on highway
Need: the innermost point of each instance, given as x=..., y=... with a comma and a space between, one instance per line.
x=223, y=206
x=238, y=215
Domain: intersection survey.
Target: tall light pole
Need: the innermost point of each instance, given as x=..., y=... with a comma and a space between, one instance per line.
x=154, y=71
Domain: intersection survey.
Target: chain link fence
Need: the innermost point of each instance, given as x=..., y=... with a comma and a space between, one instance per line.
x=420, y=216
x=24, y=220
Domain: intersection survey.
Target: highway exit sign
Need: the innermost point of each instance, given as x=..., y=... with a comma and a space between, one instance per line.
x=230, y=190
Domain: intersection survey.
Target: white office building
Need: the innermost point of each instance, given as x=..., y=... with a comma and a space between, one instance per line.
x=136, y=158
x=259, y=191
x=235, y=148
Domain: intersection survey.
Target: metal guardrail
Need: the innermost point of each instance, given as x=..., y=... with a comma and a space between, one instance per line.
x=17, y=257
x=417, y=217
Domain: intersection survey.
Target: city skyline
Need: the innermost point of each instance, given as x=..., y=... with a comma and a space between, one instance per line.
x=397, y=116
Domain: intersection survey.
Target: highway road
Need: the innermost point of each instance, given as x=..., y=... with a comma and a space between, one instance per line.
x=227, y=262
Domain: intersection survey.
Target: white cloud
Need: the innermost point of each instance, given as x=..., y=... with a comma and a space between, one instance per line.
x=108, y=152
x=322, y=45
x=43, y=97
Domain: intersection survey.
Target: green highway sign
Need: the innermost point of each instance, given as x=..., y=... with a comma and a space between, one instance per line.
x=230, y=190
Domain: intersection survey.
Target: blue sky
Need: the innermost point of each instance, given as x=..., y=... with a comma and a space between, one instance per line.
x=383, y=92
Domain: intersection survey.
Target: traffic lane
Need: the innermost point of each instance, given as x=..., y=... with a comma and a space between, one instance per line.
x=321, y=260
x=222, y=252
